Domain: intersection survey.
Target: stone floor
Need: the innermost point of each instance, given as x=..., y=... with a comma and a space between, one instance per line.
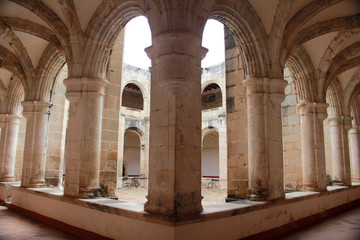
x=14, y=226
x=138, y=195
x=345, y=226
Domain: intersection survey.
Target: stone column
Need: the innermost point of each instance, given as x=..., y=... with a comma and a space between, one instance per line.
x=222, y=156
x=143, y=163
x=83, y=139
x=312, y=116
x=355, y=152
x=175, y=124
x=37, y=115
x=264, y=98
x=339, y=127
x=9, y=136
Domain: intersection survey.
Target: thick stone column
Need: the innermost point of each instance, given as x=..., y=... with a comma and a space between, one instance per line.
x=354, y=135
x=339, y=127
x=83, y=139
x=37, y=115
x=264, y=98
x=9, y=134
x=175, y=125
x=312, y=116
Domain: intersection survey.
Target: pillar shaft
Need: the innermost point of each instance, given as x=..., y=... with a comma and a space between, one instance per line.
x=355, y=153
x=264, y=97
x=83, y=139
x=37, y=115
x=9, y=135
x=175, y=125
x=339, y=127
x=312, y=116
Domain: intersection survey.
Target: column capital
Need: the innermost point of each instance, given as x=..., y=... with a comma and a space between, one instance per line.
x=355, y=129
x=76, y=86
x=274, y=87
x=341, y=120
x=2, y=120
x=265, y=85
x=4, y=117
x=176, y=60
x=176, y=42
x=305, y=107
x=31, y=107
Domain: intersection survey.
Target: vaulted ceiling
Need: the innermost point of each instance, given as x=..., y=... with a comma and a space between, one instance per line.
x=326, y=32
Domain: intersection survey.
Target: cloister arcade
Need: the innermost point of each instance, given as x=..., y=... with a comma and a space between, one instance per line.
x=281, y=113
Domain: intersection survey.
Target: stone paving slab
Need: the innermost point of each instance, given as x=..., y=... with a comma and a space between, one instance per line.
x=14, y=226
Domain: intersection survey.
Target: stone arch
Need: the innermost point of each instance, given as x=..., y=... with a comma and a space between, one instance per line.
x=248, y=33
x=11, y=63
x=299, y=19
x=16, y=96
x=351, y=91
x=210, y=153
x=328, y=57
x=35, y=29
x=20, y=51
x=207, y=83
x=56, y=24
x=211, y=96
x=319, y=29
x=333, y=98
x=132, y=152
x=139, y=85
x=132, y=97
x=208, y=130
x=355, y=109
x=302, y=72
x=343, y=61
x=107, y=22
x=50, y=64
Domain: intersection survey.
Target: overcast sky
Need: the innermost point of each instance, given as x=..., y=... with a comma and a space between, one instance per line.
x=138, y=37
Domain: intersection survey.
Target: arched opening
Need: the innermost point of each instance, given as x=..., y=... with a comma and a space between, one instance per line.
x=211, y=96
x=132, y=156
x=132, y=97
x=57, y=128
x=210, y=155
x=131, y=162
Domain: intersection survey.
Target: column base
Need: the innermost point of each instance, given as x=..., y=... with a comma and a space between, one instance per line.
x=312, y=188
x=338, y=183
x=37, y=183
x=186, y=206
x=356, y=179
x=7, y=179
x=233, y=198
x=258, y=194
x=88, y=192
x=173, y=212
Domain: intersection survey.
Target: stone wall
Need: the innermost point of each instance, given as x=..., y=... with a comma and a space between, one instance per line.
x=57, y=132
x=208, y=104
x=110, y=121
x=20, y=149
x=237, y=145
x=291, y=137
x=328, y=154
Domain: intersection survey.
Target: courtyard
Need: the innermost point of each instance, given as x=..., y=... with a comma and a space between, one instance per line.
x=138, y=195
